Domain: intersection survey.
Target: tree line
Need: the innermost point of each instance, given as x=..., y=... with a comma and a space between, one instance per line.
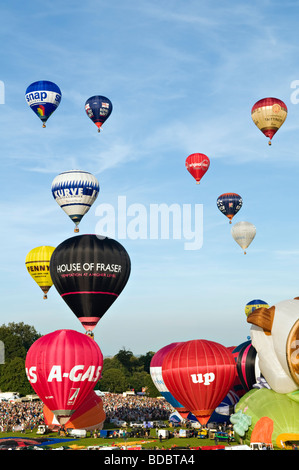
x=122, y=372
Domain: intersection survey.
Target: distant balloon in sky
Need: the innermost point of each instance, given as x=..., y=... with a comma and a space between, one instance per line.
x=37, y=263
x=75, y=191
x=243, y=233
x=43, y=97
x=199, y=374
x=90, y=272
x=63, y=368
x=229, y=204
x=98, y=109
x=254, y=304
x=197, y=164
x=268, y=114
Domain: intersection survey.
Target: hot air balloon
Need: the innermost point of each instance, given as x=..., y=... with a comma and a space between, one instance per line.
x=199, y=374
x=273, y=418
x=98, y=109
x=89, y=416
x=38, y=265
x=75, y=191
x=157, y=378
x=254, y=304
x=197, y=164
x=63, y=368
x=229, y=204
x=247, y=365
x=90, y=272
x=43, y=97
x=268, y=114
x=243, y=233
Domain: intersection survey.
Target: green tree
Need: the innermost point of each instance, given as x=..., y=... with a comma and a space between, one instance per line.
x=114, y=381
x=17, y=339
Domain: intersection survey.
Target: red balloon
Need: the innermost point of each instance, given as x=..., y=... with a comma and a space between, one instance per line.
x=199, y=374
x=157, y=378
x=63, y=367
x=89, y=416
x=197, y=164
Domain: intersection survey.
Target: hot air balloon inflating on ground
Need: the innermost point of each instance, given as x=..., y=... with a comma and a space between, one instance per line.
x=37, y=263
x=43, y=97
x=199, y=374
x=229, y=204
x=268, y=114
x=90, y=272
x=197, y=164
x=243, y=233
x=98, y=109
x=75, y=191
x=157, y=378
x=63, y=368
x=89, y=416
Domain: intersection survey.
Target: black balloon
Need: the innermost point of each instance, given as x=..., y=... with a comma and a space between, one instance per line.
x=90, y=272
x=247, y=365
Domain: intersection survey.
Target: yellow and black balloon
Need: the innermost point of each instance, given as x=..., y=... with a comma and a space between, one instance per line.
x=38, y=266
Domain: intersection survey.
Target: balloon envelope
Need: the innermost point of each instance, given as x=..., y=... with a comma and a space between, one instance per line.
x=229, y=204
x=63, y=367
x=268, y=114
x=75, y=191
x=199, y=374
x=243, y=233
x=90, y=272
x=37, y=263
x=197, y=164
x=254, y=304
x=43, y=97
x=157, y=378
x=98, y=109
x=247, y=365
x=89, y=416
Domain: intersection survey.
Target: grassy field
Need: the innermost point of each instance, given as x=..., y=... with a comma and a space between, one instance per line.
x=151, y=442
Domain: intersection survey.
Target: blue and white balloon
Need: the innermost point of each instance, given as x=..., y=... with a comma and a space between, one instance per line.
x=43, y=97
x=75, y=191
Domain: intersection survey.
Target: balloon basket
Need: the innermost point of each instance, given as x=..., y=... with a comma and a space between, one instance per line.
x=45, y=297
x=90, y=333
x=44, y=125
x=76, y=230
x=269, y=143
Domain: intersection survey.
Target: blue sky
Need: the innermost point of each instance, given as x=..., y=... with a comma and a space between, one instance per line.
x=182, y=77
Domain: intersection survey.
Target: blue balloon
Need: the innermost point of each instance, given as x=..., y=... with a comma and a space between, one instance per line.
x=229, y=204
x=98, y=109
x=43, y=97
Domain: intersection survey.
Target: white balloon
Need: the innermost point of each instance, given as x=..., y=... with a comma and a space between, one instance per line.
x=75, y=191
x=243, y=233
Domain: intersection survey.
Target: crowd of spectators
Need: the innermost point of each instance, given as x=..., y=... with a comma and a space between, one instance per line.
x=26, y=415
x=135, y=408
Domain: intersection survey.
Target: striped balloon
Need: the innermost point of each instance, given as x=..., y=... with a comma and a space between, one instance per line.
x=75, y=191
